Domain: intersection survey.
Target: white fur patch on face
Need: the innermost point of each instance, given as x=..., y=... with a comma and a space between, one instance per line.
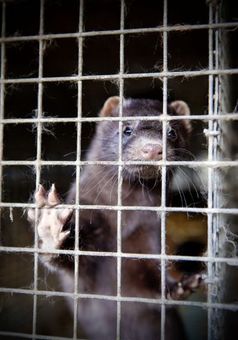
x=143, y=140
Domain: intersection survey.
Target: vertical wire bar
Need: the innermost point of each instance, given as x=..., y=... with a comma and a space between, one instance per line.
x=77, y=182
x=2, y=88
x=216, y=126
x=218, y=316
x=2, y=96
x=38, y=165
x=163, y=173
x=119, y=188
x=216, y=62
x=210, y=175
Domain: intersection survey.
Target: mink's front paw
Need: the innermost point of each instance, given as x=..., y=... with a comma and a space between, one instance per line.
x=186, y=286
x=50, y=220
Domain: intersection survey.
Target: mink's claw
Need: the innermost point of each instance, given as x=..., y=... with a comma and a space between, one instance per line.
x=40, y=196
x=40, y=201
x=53, y=198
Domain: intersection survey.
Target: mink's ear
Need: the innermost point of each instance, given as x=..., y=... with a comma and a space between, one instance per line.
x=109, y=107
x=182, y=109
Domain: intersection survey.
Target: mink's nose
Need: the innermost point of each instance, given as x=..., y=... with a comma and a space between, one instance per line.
x=151, y=152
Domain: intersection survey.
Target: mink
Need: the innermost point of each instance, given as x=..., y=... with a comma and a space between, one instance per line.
x=140, y=229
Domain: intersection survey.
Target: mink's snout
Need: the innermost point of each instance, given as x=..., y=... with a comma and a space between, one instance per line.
x=151, y=152
x=143, y=149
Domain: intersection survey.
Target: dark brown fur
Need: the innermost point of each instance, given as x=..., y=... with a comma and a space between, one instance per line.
x=140, y=229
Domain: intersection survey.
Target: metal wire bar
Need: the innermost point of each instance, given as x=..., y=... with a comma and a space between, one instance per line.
x=228, y=260
x=169, y=74
x=222, y=117
x=163, y=171
x=2, y=88
x=190, y=164
x=232, y=211
x=77, y=181
x=174, y=28
x=217, y=317
x=210, y=175
x=158, y=301
x=222, y=223
x=119, y=185
x=37, y=336
x=38, y=165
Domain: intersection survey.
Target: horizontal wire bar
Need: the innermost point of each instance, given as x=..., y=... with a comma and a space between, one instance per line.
x=169, y=74
x=76, y=35
x=205, y=117
x=200, y=163
x=222, y=306
x=36, y=336
x=231, y=211
x=27, y=250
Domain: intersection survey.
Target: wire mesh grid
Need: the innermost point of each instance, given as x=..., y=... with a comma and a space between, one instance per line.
x=215, y=117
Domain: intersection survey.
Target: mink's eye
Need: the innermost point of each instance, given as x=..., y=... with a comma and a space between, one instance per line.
x=127, y=131
x=171, y=133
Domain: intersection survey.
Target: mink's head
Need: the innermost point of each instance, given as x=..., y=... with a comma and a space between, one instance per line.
x=142, y=140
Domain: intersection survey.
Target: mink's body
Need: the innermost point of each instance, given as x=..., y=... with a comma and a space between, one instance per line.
x=140, y=230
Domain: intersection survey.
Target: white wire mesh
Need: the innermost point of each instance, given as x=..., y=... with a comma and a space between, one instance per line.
x=213, y=117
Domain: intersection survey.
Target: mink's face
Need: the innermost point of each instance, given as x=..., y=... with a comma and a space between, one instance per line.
x=142, y=140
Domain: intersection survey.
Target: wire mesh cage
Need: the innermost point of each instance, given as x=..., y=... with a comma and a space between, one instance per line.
x=60, y=61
